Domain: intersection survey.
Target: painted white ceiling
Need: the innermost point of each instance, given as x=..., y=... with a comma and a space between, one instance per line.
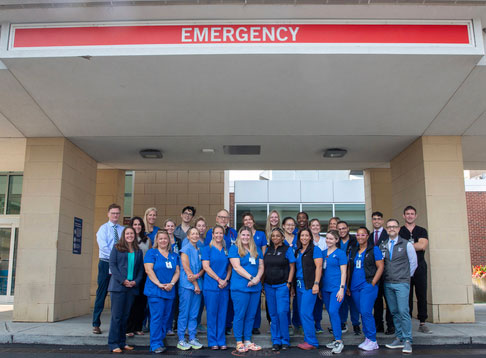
x=294, y=106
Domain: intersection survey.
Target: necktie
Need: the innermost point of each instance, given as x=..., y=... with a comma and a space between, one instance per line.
x=376, y=237
x=392, y=243
x=115, y=233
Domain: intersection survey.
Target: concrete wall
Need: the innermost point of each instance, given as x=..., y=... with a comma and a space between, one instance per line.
x=378, y=193
x=429, y=175
x=59, y=183
x=12, y=154
x=170, y=191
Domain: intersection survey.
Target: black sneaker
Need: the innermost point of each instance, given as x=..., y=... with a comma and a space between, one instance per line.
x=285, y=347
x=227, y=331
x=357, y=330
x=255, y=331
x=276, y=347
x=344, y=328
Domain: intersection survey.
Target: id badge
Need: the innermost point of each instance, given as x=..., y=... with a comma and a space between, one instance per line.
x=168, y=264
x=252, y=261
x=325, y=264
x=358, y=264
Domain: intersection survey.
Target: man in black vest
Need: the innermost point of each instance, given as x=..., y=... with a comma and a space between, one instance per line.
x=378, y=235
x=400, y=264
x=419, y=238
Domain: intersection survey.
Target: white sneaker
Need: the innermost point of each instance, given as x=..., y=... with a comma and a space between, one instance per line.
x=364, y=343
x=371, y=346
x=338, y=347
x=195, y=344
x=183, y=346
x=331, y=344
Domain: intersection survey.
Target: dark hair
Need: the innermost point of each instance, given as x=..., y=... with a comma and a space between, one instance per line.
x=114, y=206
x=281, y=233
x=143, y=237
x=342, y=222
x=335, y=234
x=299, y=244
x=398, y=222
x=122, y=244
x=377, y=213
x=410, y=207
x=365, y=229
x=245, y=214
x=303, y=212
x=287, y=218
x=192, y=208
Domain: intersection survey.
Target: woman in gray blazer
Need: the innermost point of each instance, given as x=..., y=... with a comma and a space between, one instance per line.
x=126, y=267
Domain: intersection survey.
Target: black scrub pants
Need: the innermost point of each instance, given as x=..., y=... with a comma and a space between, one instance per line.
x=419, y=282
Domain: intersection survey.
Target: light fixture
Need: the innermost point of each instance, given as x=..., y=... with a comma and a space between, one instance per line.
x=151, y=154
x=208, y=150
x=334, y=153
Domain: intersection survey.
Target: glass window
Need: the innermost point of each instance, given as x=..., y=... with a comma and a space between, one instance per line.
x=14, y=194
x=14, y=261
x=353, y=214
x=127, y=205
x=259, y=211
x=285, y=210
x=5, y=234
x=3, y=192
x=323, y=212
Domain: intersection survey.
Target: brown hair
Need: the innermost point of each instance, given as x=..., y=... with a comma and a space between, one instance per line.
x=122, y=244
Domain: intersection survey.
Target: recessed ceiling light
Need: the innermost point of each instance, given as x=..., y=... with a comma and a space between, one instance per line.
x=151, y=154
x=334, y=153
x=207, y=150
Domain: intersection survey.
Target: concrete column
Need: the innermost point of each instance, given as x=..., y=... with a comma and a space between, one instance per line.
x=52, y=283
x=429, y=175
x=378, y=193
x=110, y=188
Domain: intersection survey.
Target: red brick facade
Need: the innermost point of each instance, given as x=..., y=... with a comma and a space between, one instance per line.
x=476, y=217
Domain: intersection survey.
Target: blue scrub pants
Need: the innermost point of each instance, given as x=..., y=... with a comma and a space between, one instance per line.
x=397, y=298
x=295, y=313
x=201, y=309
x=216, y=308
x=174, y=312
x=333, y=308
x=364, y=298
x=245, y=306
x=121, y=302
x=101, y=292
x=258, y=315
x=189, y=303
x=230, y=314
x=318, y=313
x=278, y=308
x=161, y=309
x=348, y=305
x=306, y=302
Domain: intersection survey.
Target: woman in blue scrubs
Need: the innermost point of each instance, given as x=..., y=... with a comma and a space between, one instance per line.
x=319, y=241
x=334, y=286
x=126, y=269
x=169, y=226
x=308, y=273
x=215, y=263
x=260, y=241
x=149, y=219
x=365, y=269
x=290, y=239
x=273, y=221
x=279, y=262
x=247, y=261
x=162, y=268
x=190, y=287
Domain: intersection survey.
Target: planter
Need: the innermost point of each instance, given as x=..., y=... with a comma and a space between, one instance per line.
x=479, y=289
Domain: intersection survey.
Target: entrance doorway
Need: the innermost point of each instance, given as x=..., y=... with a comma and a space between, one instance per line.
x=9, y=232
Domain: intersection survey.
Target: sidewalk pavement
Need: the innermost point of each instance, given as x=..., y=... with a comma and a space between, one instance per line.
x=77, y=331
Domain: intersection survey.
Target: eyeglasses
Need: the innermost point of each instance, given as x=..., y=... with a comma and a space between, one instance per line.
x=223, y=217
x=188, y=213
x=392, y=227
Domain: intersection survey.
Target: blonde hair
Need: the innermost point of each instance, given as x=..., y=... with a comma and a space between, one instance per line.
x=162, y=232
x=211, y=244
x=268, y=228
x=200, y=218
x=251, y=245
x=145, y=216
x=169, y=221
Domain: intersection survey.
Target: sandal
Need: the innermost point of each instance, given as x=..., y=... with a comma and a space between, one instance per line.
x=139, y=333
x=241, y=348
x=223, y=348
x=130, y=334
x=252, y=346
x=117, y=350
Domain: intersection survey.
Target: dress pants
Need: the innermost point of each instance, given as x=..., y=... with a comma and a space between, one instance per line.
x=120, y=309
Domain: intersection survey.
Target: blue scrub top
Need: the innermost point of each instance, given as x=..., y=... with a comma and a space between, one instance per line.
x=164, y=269
x=332, y=269
x=359, y=278
x=151, y=235
x=218, y=261
x=195, y=264
x=344, y=246
x=229, y=239
x=299, y=275
x=186, y=241
x=294, y=243
x=260, y=239
x=239, y=283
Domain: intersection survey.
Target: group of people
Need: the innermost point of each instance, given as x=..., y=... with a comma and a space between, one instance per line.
x=169, y=275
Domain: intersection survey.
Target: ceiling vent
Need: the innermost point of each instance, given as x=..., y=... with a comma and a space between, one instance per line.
x=151, y=154
x=242, y=149
x=334, y=153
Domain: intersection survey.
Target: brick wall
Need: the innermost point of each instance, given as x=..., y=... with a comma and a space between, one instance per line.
x=476, y=216
x=170, y=191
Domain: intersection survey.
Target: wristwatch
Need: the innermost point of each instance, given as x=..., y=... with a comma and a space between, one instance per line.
x=251, y=278
x=342, y=286
x=316, y=283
